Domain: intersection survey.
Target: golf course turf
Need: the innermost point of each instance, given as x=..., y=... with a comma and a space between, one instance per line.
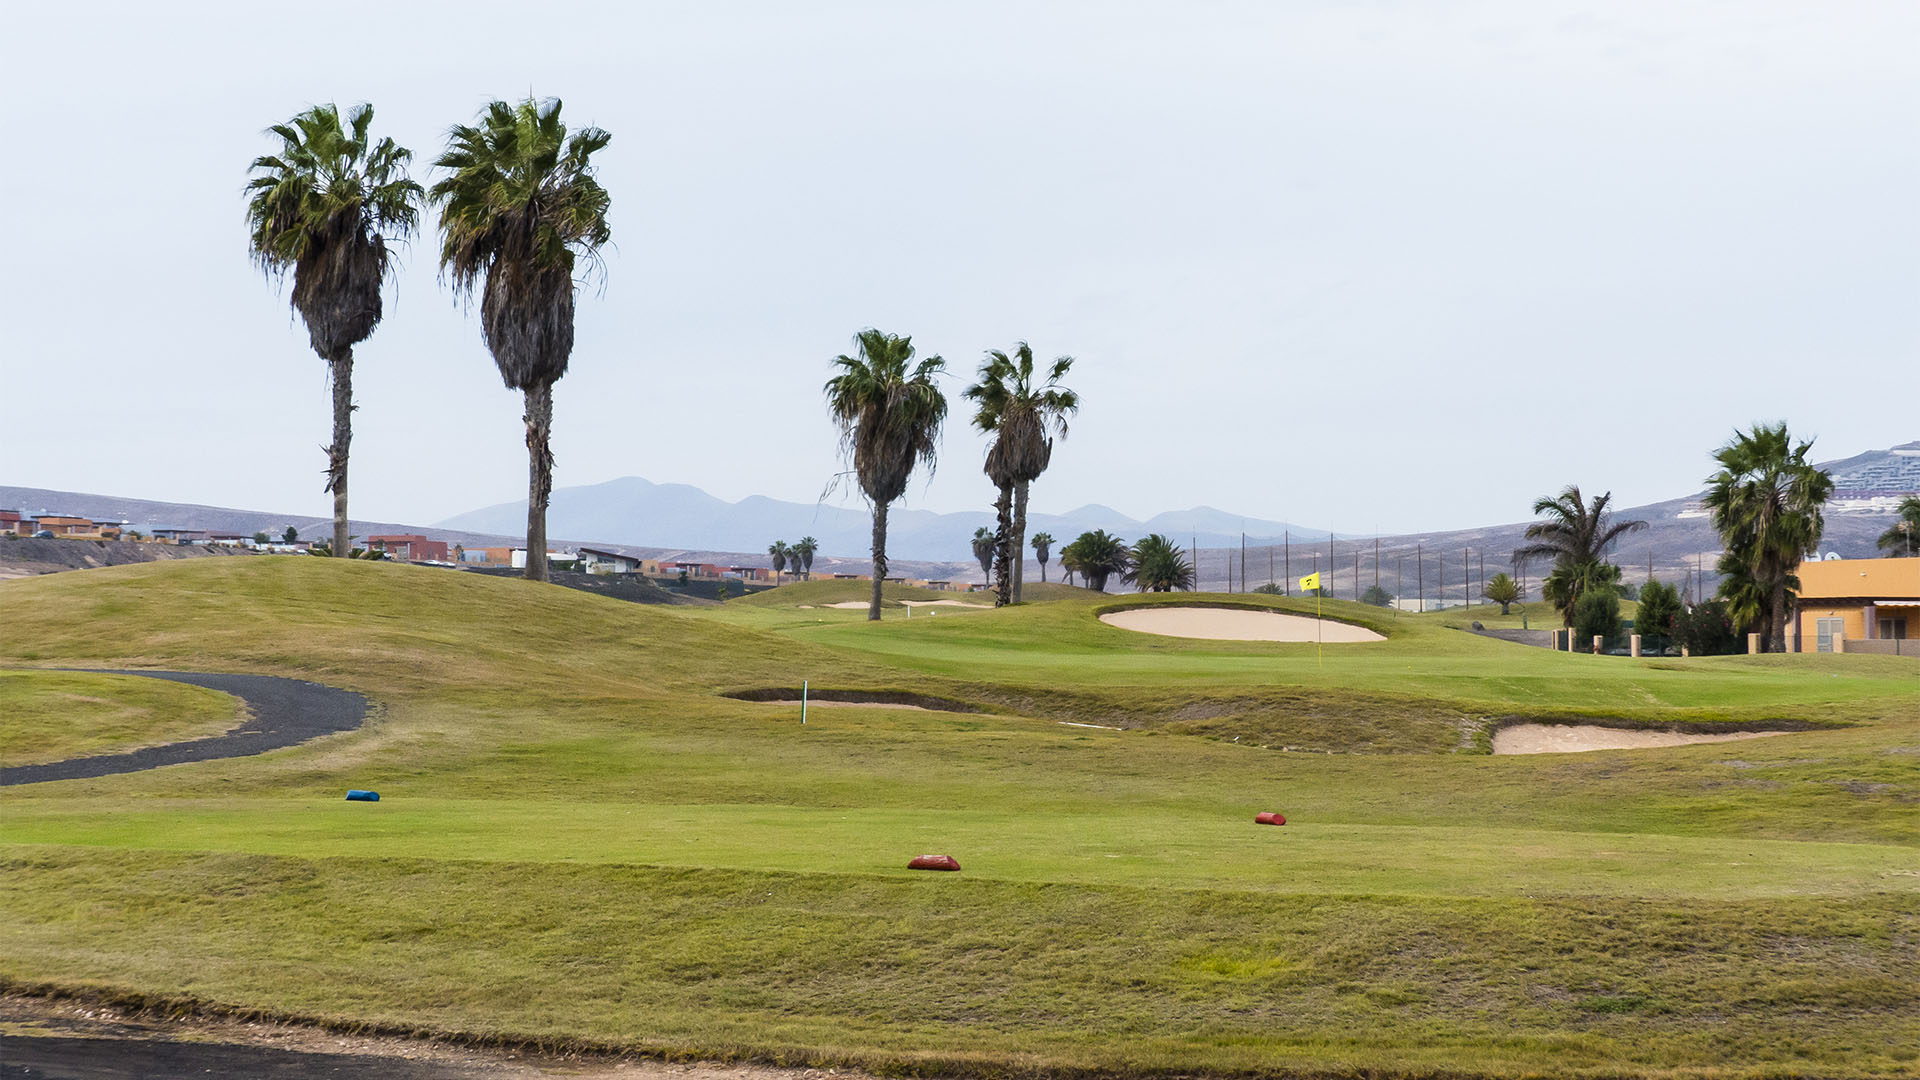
x=583, y=841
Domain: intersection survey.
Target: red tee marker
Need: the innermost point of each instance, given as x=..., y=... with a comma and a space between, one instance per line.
x=1268, y=817
x=933, y=862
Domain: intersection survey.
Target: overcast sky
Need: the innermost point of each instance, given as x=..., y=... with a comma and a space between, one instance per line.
x=1354, y=265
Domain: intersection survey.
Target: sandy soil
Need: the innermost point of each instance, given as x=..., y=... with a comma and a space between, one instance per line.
x=1229, y=624
x=1573, y=738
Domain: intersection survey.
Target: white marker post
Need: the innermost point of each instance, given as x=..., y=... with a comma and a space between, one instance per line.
x=803, y=703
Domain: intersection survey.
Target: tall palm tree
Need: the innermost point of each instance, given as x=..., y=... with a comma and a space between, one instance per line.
x=1903, y=537
x=1765, y=501
x=1042, y=543
x=889, y=418
x=518, y=205
x=324, y=208
x=1749, y=608
x=780, y=552
x=1575, y=535
x=1159, y=565
x=984, y=543
x=801, y=555
x=1018, y=412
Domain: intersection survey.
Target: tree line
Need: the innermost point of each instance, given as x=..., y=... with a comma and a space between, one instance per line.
x=1765, y=500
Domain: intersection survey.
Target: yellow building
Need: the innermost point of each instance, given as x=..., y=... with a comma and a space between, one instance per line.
x=1860, y=599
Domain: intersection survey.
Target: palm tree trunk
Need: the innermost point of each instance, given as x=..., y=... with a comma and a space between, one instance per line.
x=1777, y=630
x=1002, y=548
x=879, y=559
x=1019, y=538
x=539, y=421
x=340, y=364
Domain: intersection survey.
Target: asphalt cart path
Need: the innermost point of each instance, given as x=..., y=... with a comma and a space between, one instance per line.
x=286, y=712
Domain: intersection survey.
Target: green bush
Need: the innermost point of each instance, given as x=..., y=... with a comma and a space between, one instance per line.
x=1660, y=607
x=1597, y=614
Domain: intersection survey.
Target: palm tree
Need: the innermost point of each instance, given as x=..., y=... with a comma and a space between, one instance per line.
x=801, y=555
x=1748, y=605
x=1502, y=590
x=1096, y=556
x=1018, y=413
x=1765, y=502
x=1576, y=536
x=1159, y=566
x=518, y=206
x=889, y=419
x=1903, y=537
x=779, y=550
x=1042, y=543
x=324, y=208
x=984, y=543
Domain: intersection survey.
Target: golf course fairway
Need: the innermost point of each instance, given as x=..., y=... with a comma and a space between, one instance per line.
x=586, y=840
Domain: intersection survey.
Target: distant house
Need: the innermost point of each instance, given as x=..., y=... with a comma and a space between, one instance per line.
x=1845, y=602
x=14, y=523
x=409, y=547
x=170, y=535
x=486, y=556
x=226, y=539
x=600, y=561
x=62, y=525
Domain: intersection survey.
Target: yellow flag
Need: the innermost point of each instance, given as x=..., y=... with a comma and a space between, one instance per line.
x=1310, y=582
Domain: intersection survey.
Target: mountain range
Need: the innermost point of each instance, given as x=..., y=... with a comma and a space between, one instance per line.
x=641, y=513
x=683, y=522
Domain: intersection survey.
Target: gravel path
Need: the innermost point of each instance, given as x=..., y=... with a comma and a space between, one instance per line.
x=286, y=712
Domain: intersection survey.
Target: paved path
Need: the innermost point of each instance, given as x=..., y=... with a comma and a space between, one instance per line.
x=286, y=712
x=36, y=1057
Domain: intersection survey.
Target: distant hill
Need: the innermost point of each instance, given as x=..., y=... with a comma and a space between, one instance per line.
x=678, y=521
x=639, y=512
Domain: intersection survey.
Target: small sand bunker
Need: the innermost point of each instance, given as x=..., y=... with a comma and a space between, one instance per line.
x=1574, y=738
x=941, y=603
x=821, y=703
x=862, y=605
x=1236, y=624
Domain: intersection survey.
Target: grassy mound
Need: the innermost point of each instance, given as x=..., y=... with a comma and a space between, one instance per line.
x=54, y=715
x=582, y=842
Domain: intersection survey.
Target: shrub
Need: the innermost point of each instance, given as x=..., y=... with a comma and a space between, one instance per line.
x=1597, y=614
x=1380, y=597
x=1659, y=609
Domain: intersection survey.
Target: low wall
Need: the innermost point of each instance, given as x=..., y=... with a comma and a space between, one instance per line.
x=1882, y=646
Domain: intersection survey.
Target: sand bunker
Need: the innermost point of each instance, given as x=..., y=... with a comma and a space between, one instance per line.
x=1236, y=624
x=820, y=703
x=862, y=605
x=1574, y=738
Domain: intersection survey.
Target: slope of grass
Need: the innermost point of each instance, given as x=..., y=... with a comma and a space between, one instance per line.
x=580, y=841
x=53, y=715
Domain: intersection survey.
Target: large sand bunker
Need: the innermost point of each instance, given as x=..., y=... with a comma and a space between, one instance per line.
x=1236, y=624
x=1574, y=738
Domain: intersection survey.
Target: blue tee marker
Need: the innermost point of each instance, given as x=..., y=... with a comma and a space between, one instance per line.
x=356, y=795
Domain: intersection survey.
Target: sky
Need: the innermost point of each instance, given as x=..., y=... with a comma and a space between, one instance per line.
x=1366, y=266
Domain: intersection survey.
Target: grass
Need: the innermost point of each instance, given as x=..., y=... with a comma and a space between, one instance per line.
x=581, y=843
x=54, y=715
